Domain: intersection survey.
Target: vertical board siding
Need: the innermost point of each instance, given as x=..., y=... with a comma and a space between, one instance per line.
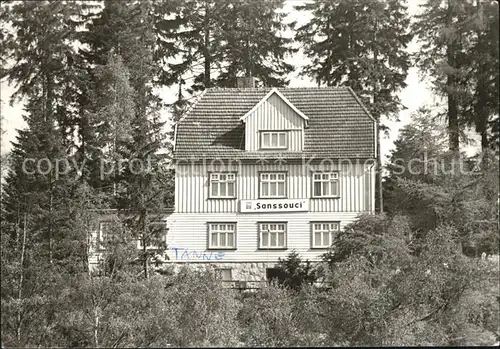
x=192, y=187
x=274, y=114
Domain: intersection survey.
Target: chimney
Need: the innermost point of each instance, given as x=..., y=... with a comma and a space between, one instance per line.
x=245, y=82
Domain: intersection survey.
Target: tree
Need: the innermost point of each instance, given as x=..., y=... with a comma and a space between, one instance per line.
x=484, y=55
x=362, y=45
x=416, y=153
x=202, y=312
x=359, y=44
x=35, y=201
x=142, y=181
x=215, y=41
x=385, y=294
x=433, y=187
x=193, y=35
x=253, y=44
x=269, y=318
x=443, y=29
x=44, y=56
x=109, y=119
x=295, y=273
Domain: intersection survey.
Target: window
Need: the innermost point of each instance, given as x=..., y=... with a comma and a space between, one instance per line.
x=222, y=185
x=325, y=184
x=222, y=235
x=157, y=233
x=225, y=274
x=272, y=235
x=272, y=185
x=104, y=230
x=273, y=140
x=275, y=275
x=323, y=233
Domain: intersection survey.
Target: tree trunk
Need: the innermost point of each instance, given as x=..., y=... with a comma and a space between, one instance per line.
x=378, y=175
x=206, y=45
x=144, y=247
x=21, y=281
x=453, y=125
x=51, y=199
x=96, y=328
x=481, y=110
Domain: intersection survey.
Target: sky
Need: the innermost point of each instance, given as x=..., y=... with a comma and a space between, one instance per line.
x=417, y=93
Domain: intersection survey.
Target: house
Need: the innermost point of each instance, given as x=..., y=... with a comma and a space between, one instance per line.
x=260, y=172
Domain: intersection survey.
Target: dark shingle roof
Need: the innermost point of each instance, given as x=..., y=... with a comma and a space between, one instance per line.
x=339, y=126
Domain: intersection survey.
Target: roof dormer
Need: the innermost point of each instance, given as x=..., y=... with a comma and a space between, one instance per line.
x=275, y=124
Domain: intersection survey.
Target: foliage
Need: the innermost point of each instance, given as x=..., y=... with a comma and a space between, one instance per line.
x=202, y=312
x=459, y=53
x=386, y=295
x=347, y=41
x=294, y=273
x=434, y=187
x=88, y=75
x=213, y=42
x=269, y=318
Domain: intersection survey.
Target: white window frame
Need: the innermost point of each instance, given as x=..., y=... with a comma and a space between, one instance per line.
x=214, y=178
x=330, y=179
x=266, y=232
x=154, y=247
x=221, y=230
x=328, y=229
x=280, y=135
x=266, y=177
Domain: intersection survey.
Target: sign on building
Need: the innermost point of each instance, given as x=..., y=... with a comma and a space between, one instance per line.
x=274, y=205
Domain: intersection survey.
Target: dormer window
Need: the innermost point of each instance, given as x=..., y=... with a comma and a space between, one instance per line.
x=273, y=140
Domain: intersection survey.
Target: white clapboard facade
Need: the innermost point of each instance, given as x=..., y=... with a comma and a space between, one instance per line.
x=260, y=172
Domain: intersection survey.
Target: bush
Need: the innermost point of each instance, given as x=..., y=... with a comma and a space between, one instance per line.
x=295, y=273
x=269, y=319
x=201, y=311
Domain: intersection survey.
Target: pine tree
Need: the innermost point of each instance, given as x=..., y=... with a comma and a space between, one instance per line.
x=110, y=116
x=215, y=41
x=444, y=30
x=42, y=53
x=433, y=187
x=127, y=29
x=361, y=44
x=40, y=183
x=484, y=75
x=36, y=197
x=419, y=141
x=192, y=33
x=253, y=45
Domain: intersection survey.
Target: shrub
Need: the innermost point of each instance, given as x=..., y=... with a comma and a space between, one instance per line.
x=295, y=273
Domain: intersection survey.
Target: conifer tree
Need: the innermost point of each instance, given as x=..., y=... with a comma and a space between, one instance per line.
x=40, y=184
x=110, y=116
x=216, y=41
x=443, y=27
x=127, y=29
x=41, y=56
x=484, y=57
x=361, y=44
x=253, y=45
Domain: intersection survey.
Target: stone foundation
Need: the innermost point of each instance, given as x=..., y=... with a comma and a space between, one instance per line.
x=244, y=275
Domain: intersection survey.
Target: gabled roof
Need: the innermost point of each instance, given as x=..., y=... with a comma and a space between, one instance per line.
x=339, y=126
x=266, y=97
